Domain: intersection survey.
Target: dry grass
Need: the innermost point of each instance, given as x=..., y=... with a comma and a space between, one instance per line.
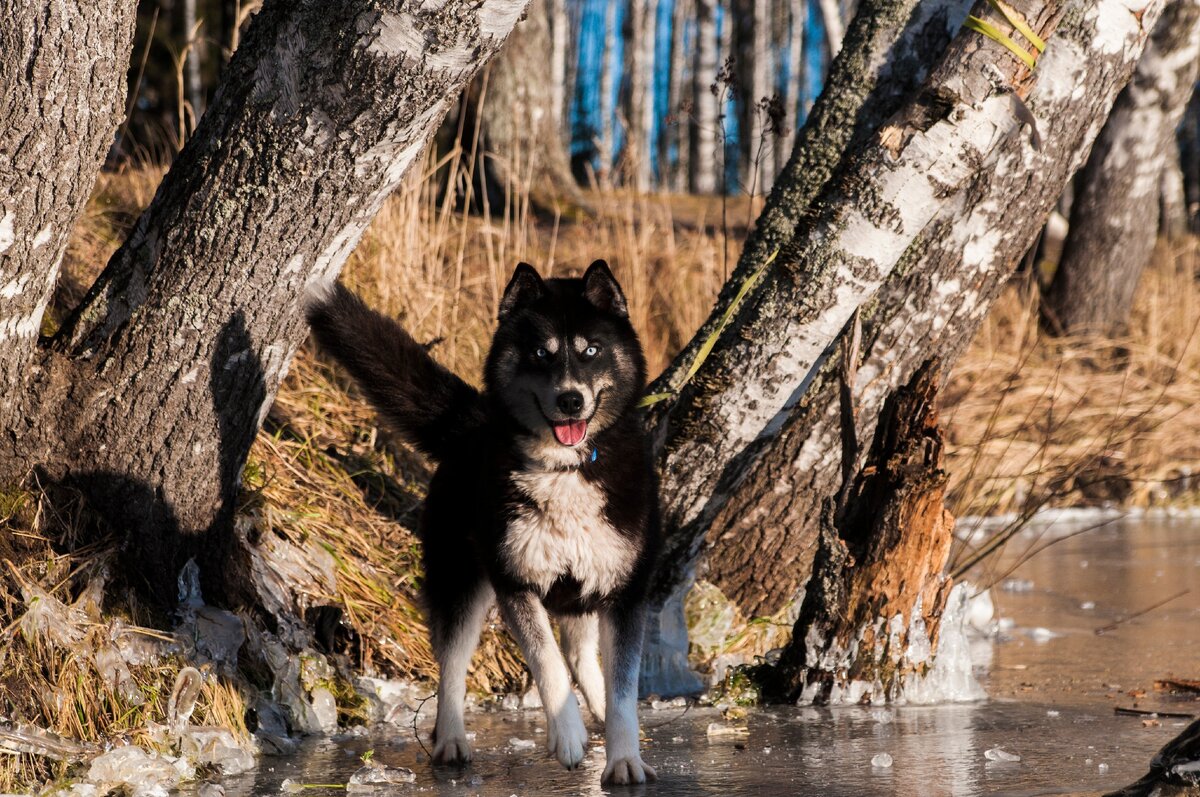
x=1035, y=420
x=54, y=673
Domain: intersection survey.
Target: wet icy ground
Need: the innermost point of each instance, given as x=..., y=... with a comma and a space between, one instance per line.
x=1053, y=683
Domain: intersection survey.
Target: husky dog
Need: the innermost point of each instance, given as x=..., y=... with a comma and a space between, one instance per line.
x=544, y=500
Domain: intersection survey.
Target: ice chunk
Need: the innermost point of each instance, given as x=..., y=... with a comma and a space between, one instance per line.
x=1102, y=768
x=998, y=754
x=531, y=699
x=521, y=744
x=1051, y=713
x=184, y=695
x=134, y=770
x=215, y=746
x=290, y=786
x=375, y=774
x=979, y=612
x=510, y=703
x=325, y=708
x=1087, y=606
x=1040, y=634
x=719, y=729
x=881, y=760
x=1017, y=585
x=950, y=679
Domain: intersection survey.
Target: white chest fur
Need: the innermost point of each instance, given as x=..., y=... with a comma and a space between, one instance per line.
x=565, y=533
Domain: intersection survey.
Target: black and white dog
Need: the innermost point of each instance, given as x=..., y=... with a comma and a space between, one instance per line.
x=544, y=500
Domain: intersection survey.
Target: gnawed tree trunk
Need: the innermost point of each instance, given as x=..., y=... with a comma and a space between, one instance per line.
x=1114, y=219
x=880, y=556
x=739, y=432
x=518, y=141
x=165, y=371
x=1172, y=197
x=704, y=136
x=62, y=66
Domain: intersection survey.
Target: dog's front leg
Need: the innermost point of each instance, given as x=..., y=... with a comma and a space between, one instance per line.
x=528, y=622
x=621, y=631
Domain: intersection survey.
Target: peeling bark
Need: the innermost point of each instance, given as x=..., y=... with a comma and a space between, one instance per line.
x=740, y=437
x=62, y=66
x=1115, y=216
x=176, y=353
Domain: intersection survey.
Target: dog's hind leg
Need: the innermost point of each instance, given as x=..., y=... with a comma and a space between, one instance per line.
x=529, y=624
x=581, y=644
x=621, y=631
x=454, y=631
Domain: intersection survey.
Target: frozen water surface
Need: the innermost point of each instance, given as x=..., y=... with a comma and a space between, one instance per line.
x=1051, y=702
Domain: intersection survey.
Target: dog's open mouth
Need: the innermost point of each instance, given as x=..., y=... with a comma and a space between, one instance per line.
x=569, y=433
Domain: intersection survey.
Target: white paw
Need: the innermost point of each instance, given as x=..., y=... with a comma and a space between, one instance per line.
x=566, y=738
x=627, y=770
x=452, y=749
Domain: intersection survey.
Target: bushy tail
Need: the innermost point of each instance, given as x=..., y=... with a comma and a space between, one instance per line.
x=425, y=402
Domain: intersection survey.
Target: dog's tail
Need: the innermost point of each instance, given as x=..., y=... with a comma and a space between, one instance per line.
x=425, y=402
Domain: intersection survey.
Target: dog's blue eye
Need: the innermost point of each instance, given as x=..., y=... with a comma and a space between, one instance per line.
x=591, y=351
x=541, y=353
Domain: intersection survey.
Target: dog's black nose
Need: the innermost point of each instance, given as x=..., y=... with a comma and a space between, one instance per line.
x=570, y=402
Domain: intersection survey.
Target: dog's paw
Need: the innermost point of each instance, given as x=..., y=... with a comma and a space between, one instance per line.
x=452, y=749
x=567, y=739
x=626, y=770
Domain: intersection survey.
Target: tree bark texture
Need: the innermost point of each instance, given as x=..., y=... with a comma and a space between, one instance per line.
x=1114, y=219
x=675, y=132
x=62, y=66
x=750, y=430
x=174, y=356
x=881, y=556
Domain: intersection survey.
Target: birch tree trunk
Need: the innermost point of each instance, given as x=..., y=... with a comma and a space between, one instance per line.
x=638, y=106
x=960, y=150
x=157, y=383
x=835, y=27
x=675, y=134
x=520, y=142
x=704, y=101
x=608, y=71
x=62, y=66
x=794, y=88
x=1114, y=219
x=560, y=35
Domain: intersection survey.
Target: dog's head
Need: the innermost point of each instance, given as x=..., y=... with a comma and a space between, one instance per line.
x=565, y=362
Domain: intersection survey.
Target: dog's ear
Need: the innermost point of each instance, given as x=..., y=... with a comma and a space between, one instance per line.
x=525, y=286
x=601, y=289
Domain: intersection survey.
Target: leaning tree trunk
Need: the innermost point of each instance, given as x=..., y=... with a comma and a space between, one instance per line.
x=960, y=149
x=519, y=141
x=159, y=381
x=1114, y=219
x=62, y=66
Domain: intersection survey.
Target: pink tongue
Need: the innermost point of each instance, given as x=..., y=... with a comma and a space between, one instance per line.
x=569, y=433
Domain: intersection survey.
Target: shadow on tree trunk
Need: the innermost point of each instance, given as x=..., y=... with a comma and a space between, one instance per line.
x=153, y=560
